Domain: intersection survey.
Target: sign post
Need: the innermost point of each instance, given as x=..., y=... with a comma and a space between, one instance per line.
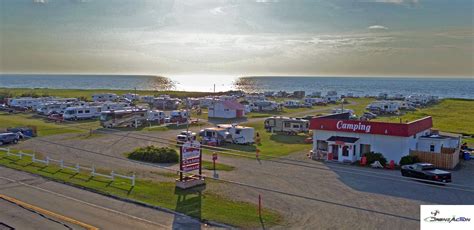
x=190, y=159
x=214, y=158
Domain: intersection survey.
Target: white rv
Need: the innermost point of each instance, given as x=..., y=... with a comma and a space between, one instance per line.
x=105, y=97
x=131, y=96
x=292, y=104
x=108, y=105
x=156, y=116
x=315, y=101
x=82, y=112
x=240, y=134
x=383, y=107
x=287, y=125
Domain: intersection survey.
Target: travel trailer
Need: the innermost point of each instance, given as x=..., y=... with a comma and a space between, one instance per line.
x=147, y=99
x=288, y=125
x=157, y=116
x=292, y=104
x=166, y=103
x=82, y=112
x=240, y=134
x=54, y=107
x=215, y=136
x=340, y=110
x=123, y=118
x=106, y=106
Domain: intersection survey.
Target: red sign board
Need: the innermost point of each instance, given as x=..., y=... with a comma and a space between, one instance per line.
x=191, y=161
x=187, y=168
x=214, y=156
x=368, y=127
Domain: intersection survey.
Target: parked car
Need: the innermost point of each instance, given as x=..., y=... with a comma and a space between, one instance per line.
x=7, y=138
x=183, y=136
x=370, y=115
x=426, y=171
x=56, y=117
x=22, y=132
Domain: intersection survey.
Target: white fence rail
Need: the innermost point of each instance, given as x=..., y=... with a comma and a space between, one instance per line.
x=77, y=168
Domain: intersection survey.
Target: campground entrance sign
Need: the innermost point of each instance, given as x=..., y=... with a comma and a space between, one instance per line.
x=190, y=160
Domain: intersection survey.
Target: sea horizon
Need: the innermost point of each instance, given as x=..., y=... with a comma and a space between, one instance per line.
x=452, y=87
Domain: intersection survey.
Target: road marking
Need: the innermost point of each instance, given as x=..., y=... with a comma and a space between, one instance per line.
x=48, y=213
x=86, y=203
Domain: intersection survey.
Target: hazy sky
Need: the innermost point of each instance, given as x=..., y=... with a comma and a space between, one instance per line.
x=237, y=37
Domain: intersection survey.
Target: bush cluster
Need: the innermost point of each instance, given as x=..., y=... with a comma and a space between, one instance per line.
x=373, y=157
x=408, y=160
x=154, y=154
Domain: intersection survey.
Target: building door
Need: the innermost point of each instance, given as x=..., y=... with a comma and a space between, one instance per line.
x=239, y=113
x=335, y=152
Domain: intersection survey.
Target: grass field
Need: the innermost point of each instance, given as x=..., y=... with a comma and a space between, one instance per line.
x=272, y=144
x=205, y=205
x=87, y=93
x=358, y=104
x=43, y=127
x=450, y=115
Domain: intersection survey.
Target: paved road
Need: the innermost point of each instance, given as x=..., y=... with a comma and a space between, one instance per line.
x=84, y=206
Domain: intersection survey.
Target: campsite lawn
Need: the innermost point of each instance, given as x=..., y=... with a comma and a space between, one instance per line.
x=449, y=115
x=272, y=144
x=43, y=127
x=205, y=205
x=358, y=104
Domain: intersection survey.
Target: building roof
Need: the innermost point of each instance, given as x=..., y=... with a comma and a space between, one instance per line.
x=343, y=139
x=231, y=104
x=335, y=123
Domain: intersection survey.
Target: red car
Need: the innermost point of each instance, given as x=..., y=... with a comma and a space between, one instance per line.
x=56, y=117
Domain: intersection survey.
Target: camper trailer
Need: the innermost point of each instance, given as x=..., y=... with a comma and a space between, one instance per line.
x=259, y=106
x=156, y=116
x=82, y=112
x=288, y=125
x=379, y=107
x=240, y=134
x=123, y=118
x=215, y=136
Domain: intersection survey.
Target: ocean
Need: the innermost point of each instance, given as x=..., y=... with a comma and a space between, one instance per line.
x=359, y=86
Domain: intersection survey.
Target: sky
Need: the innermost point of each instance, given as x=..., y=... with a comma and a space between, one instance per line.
x=238, y=37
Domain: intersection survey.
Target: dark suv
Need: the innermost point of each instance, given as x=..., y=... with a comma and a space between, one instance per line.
x=6, y=138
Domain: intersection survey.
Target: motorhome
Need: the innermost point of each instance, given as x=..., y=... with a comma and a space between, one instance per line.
x=422, y=100
x=240, y=134
x=166, y=103
x=260, y=106
x=331, y=98
x=379, y=107
x=147, y=99
x=156, y=116
x=179, y=116
x=131, y=96
x=123, y=118
x=82, y=112
x=215, y=136
x=105, y=97
x=286, y=125
x=106, y=106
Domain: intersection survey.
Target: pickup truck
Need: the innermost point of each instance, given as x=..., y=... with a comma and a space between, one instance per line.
x=426, y=171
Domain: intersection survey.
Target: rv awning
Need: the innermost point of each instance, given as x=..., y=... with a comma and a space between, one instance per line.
x=343, y=139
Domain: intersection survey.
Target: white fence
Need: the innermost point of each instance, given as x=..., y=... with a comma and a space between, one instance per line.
x=77, y=168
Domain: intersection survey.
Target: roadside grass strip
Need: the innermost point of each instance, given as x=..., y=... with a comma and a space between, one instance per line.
x=206, y=206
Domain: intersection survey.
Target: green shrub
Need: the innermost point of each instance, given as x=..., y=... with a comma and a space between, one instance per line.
x=154, y=154
x=373, y=157
x=408, y=160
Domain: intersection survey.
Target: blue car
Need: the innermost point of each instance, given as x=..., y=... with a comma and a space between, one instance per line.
x=7, y=138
